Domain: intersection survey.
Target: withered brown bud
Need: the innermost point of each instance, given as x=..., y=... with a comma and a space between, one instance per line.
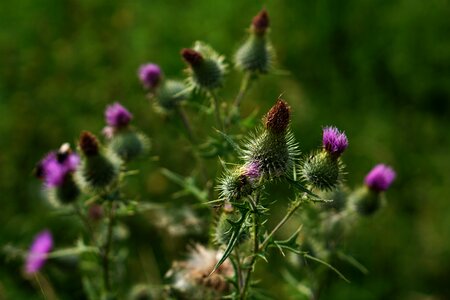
x=278, y=117
x=89, y=143
x=260, y=22
x=191, y=56
x=95, y=212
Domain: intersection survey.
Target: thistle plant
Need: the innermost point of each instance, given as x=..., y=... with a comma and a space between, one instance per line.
x=229, y=225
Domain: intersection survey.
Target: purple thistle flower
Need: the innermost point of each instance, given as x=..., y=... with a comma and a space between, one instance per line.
x=252, y=170
x=150, y=75
x=334, y=141
x=54, y=167
x=380, y=178
x=117, y=116
x=37, y=255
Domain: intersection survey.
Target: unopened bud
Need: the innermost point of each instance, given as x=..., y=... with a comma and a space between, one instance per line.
x=89, y=143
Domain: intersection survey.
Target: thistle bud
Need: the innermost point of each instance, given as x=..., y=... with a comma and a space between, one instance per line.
x=99, y=168
x=89, y=144
x=150, y=75
x=260, y=22
x=364, y=201
x=170, y=95
x=235, y=185
x=223, y=229
x=322, y=171
x=273, y=150
x=256, y=54
x=278, y=118
x=129, y=144
x=206, y=67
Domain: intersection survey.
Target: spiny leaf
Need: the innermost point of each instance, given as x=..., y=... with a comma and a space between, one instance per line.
x=233, y=240
x=351, y=260
x=306, y=255
x=187, y=183
x=230, y=141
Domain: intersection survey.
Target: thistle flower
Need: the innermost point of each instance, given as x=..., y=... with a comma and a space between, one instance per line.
x=150, y=75
x=273, y=149
x=256, y=55
x=117, y=116
x=192, y=279
x=37, y=255
x=56, y=170
x=334, y=141
x=323, y=169
x=368, y=199
x=206, y=67
x=380, y=178
x=55, y=166
x=235, y=185
x=99, y=167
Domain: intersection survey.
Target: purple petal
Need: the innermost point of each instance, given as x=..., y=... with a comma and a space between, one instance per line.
x=37, y=255
x=334, y=141
x=150, y=75
x=380, y=178
x=117, y=116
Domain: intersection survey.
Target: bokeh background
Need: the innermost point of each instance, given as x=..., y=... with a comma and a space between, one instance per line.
x=377, y=69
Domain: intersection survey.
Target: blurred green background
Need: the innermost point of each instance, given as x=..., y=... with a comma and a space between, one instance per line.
x=378, y=69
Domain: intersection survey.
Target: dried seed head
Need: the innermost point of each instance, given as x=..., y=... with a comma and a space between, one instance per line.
x=89, y=143
x=192, y=57
x=278, y=117
x=260, y=22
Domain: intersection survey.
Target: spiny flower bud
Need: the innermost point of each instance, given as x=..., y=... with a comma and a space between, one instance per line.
x=364, y=201
x=192, y=57
x=206, y=67
x=278, y=118
x=129, y=144
x=380, y=178
x=260, y=22
x=150, y=75
x=223, y=229
x=170, y=95
x=117, y=116
x=334, y=142
x=235, y=185
x=99, y=169
x=322, y=171
x=273, y=150
x=256, y=55
x=89, y=143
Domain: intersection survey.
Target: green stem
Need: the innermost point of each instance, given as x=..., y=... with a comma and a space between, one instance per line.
x=245, y=86
x=186, y=123
x=107, y=249
x=253, y=204
x=216, y=105
x=295, y=205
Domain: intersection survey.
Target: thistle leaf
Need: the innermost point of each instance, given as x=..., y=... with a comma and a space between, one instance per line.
x=306, y=255
x=188, y=184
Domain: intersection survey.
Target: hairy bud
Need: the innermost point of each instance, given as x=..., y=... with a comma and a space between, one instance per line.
x=365, y=202
x=322, y=171
x=278, y=118
x=89, y=143
x=206, y=67
x=260, y=22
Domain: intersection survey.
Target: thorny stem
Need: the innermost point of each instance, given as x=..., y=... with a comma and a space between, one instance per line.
x=107, y=249
x=86, y=222
x=245, y=86
x=186, y=123
x=216, y=105
x=253, y=204
x=295, y=205
x=191, y=136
